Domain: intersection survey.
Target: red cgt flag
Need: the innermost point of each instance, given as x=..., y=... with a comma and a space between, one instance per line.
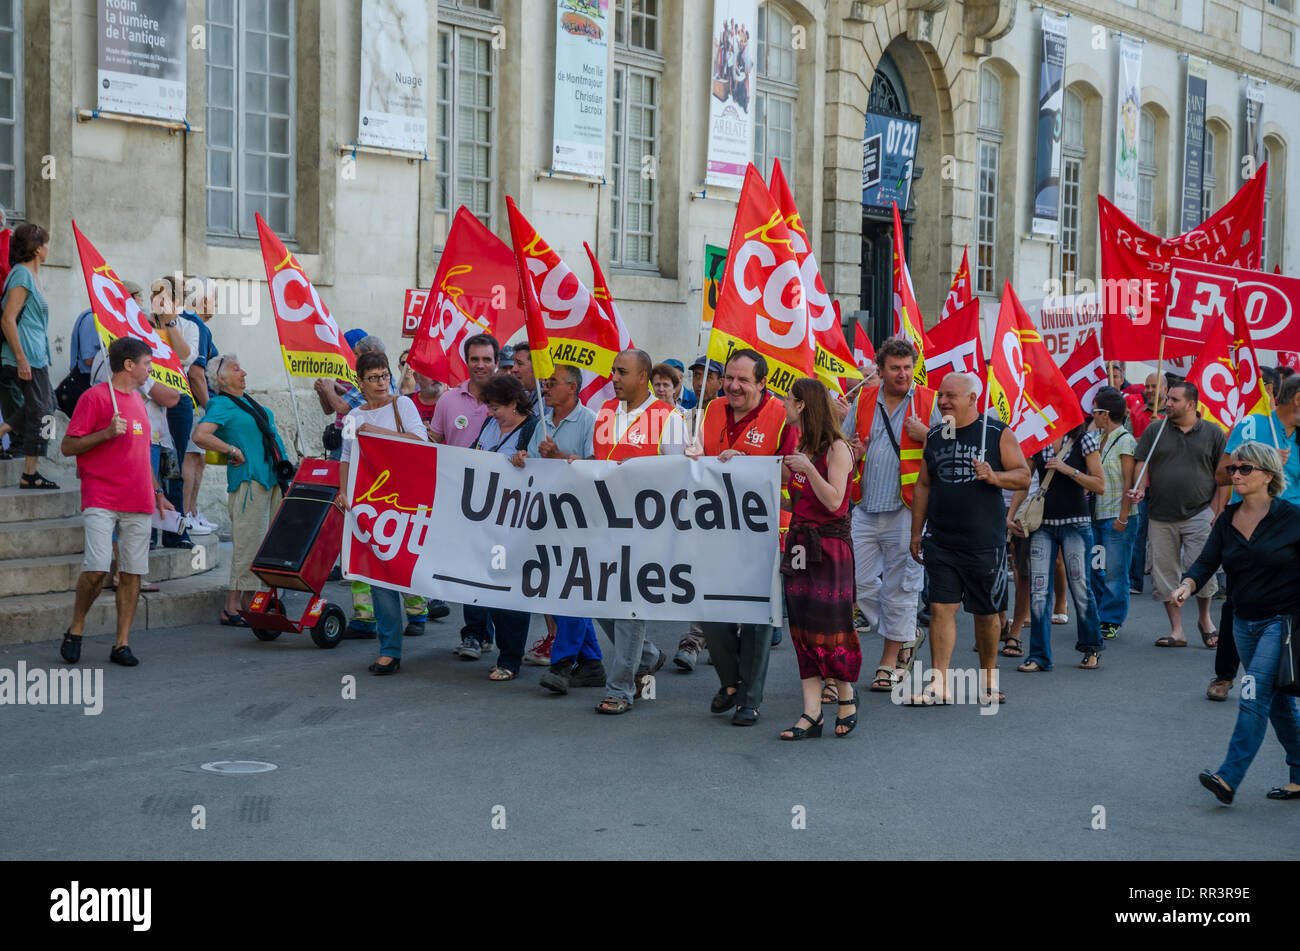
x=1025, y=385
x=118, y=315
x=1135, y=268
x=1085, y=371
x=955, y=346
x=310, y=340
x=834, y=359
x=908, y=322
x=1215, y=376
x=534, y=324
x=601, y=388
x=476, y=290
x=959, y=295
x=763, y=303
x=863, y=351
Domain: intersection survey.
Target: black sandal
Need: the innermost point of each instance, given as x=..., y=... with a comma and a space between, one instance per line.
x=798, y=733
x=35, y=481
x=851, y=720
x=70, y=649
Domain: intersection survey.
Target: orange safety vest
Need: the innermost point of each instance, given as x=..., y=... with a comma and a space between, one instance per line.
x=910, y=451
x=643, y=437
x=762, y=437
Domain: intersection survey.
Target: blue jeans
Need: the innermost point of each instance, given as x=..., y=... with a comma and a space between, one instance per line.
x=180, y=422
x=1138, y=561
x=1110, y=582
x=1075, y=544
x=511, y=629
x=478, y=623
x=1260, y=646
x=632, y=649
x=390, y=620
x=575, y=638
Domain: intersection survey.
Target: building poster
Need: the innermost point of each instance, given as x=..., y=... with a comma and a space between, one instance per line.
x=581, y=64
x=1127, y=125
x=731, y=91
x=1047, y=183
x=142, y=58
x=1194, y=145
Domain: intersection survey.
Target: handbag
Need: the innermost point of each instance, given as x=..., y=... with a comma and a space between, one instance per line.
x=68, y=392
x=1030, y=514
x=1288, y=665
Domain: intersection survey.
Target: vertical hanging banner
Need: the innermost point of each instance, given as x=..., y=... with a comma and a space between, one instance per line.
x=142, y=58
x=1051, y=73
x=1254, y=145
x=1126, y=126
x=578, y=134
x=1194, y=143
x=394, y=75
x=715, y=265
x=731, y=88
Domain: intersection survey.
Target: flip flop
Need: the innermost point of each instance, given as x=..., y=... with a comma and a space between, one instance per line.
x=1060, y=619
x=1032, y=667
x=1168, y=641
x=236, y=621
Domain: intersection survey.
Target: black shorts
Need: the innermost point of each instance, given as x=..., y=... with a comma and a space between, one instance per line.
x=1019, y=554
x=975, y=578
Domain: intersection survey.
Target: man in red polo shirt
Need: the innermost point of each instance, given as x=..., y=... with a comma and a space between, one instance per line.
x=110, y=436
x=632, y=425
x=750, y=421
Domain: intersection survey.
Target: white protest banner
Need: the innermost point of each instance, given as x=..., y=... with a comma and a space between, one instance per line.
x=663, y=538
x=731, y=91
x=578, y=136
x=1064, y=322
x=141, y=58
x=394, y=75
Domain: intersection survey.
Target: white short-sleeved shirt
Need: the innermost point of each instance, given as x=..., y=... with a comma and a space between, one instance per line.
x=385, y=418
x=189, y=332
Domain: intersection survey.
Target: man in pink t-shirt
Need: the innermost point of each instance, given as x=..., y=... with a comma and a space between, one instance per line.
x=461, y=412
x=118, y=489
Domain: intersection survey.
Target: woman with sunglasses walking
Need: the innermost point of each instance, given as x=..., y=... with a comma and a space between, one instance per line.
x=1257, y=541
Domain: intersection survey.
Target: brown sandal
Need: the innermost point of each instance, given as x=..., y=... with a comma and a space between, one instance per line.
x=1012, y=648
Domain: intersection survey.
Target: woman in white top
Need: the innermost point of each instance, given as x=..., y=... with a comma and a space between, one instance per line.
x=385, y=415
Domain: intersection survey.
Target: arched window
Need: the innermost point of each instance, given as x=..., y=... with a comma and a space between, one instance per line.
x=1073, y=154
x=1147, y=159
x=638, y=93
x=989, y=145
x=778, y=92
x=1209, y=180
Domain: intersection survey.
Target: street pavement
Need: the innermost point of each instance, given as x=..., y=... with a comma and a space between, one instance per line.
x=432, y=762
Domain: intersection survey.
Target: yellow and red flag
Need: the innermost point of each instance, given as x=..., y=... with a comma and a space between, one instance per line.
x=908, y=322
x=523, y=237
x=600, y=388
x=475, y=291
x=1254, y=398
x=1215, y=377
x=310, y=341
x=1026, y=387
x=118, y=315
x=834, y=358
x=960, y=294
x=863, y=351
x=763, y=303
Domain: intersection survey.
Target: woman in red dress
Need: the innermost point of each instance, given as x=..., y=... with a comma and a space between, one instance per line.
x=818, y=562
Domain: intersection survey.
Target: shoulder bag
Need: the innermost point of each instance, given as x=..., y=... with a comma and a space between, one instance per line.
x=1030, y=514
x=1288, y=666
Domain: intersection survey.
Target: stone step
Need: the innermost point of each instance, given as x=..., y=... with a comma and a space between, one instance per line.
x=29, y=505
x=194, y=600
x=20, y=576
x=57, y=469
x=37, y=539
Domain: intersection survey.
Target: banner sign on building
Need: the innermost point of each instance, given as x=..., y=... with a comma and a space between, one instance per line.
x=1047, y=188
x=888, y=157
x=142, y=58
x=1194, y=144
x=715, y=264
x=661, y=537
x=578, y=137
x=394, y=75
x=731, y=91
x=1255, y=120
x=1127, y=125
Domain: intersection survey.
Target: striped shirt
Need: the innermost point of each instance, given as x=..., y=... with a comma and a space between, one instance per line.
x=881, y=489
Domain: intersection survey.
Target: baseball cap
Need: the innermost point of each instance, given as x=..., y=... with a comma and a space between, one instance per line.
x=703, y=361
x=354, y=336
x=507, y=356
x=132, y=288
x=675, y=364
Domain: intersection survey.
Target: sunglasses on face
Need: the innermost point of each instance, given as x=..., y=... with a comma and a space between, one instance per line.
x=1244, y=469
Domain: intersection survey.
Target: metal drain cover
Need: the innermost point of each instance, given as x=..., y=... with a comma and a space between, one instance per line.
x=239, y=766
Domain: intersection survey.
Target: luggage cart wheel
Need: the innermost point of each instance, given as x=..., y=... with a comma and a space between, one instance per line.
x=328, y=630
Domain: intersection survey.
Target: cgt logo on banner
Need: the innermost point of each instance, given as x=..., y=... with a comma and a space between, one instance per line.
x=665, y=536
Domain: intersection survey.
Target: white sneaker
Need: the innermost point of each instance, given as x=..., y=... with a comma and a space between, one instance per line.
x=200, y=525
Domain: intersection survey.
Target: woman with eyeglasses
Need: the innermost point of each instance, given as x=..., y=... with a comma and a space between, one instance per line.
x=1257, y=542
x=1110, y=525
x=382, y=414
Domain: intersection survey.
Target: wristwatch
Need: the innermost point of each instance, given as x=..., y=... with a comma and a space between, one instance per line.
x=172, y=324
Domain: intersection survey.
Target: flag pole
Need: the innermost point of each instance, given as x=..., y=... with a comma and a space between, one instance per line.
x=541, y=409
x=297, y=419
x=1147, y=461
x=1160, y=376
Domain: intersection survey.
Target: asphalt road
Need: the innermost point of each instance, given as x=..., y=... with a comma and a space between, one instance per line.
x=420, y=764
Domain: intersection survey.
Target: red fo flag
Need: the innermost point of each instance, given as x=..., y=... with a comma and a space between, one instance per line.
x=763, y=303
x=834, y=359
x=908, y=322
x=475, y=291
x=1085, y=371
x=310, y=341
x=118, y=315
x=1135, y=267
x=863, y=351
x=599, y=389
x=959, y=295
x=1025, y=385
x=1201, y=294
x=955, y=346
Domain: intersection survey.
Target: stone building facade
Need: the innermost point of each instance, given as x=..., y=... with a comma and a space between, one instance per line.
x=273, y=111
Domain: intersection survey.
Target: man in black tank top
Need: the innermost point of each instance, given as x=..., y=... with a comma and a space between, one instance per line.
x=959, y=529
